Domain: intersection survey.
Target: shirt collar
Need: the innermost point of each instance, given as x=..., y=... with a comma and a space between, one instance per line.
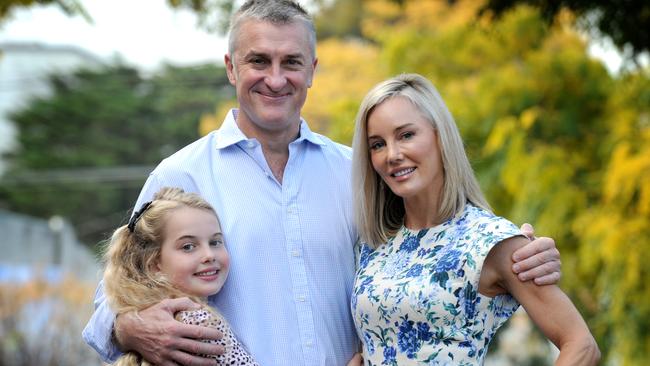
x=230, y=134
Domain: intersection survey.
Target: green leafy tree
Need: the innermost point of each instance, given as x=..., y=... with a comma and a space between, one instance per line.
x=93, y=126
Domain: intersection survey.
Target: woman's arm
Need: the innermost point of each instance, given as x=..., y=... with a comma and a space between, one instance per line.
x=550, y=309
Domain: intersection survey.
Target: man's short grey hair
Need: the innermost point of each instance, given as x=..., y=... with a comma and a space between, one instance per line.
x=379, y=213
x=278, y=12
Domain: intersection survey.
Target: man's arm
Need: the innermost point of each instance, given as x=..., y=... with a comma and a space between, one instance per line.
x=97, y=332
x=538, y=260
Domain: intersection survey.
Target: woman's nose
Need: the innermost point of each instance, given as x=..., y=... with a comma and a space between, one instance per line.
x=394, y=153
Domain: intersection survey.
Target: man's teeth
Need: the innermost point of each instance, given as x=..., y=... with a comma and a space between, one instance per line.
x=403, y=172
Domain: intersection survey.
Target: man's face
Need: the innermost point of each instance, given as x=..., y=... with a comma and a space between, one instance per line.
x=271, y=68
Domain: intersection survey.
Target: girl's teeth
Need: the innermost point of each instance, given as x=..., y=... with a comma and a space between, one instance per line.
x=207, y=273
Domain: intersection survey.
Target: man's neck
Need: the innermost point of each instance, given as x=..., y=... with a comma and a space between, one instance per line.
x=275, y=144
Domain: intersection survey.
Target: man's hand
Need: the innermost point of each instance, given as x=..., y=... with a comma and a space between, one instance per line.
x=162, y=340
x=538, y=260
x=357, y=360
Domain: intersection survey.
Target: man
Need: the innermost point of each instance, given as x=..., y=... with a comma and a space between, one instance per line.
x=283, y=196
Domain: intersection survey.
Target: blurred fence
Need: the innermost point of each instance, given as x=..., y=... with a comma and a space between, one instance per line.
x=47, y=280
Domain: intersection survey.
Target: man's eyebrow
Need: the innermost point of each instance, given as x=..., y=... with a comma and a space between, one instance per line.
x=253, y=53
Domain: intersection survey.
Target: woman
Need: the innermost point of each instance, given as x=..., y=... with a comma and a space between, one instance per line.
x=432, y=284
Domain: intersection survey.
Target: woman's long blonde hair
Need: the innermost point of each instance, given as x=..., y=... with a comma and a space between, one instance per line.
x=131, y=279
x=378, y=212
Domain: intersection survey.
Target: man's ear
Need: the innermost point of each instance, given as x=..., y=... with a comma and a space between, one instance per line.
x=230, y=69
x=313, y=71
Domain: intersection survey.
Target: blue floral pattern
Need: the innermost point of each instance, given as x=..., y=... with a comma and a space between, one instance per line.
x=416, y=299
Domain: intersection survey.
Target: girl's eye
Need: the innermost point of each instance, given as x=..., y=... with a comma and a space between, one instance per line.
x=188, y=247
x=216, y=243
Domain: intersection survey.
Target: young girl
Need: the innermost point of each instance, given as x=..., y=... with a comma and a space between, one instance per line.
x=172, y=247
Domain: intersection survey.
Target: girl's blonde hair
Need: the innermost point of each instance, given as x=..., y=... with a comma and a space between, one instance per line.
x=131, y=279
x=378, y=212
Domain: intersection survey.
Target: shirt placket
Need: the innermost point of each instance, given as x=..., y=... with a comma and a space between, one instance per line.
x=295, y=252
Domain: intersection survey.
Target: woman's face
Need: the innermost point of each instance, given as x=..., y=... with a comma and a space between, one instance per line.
x=404, y=150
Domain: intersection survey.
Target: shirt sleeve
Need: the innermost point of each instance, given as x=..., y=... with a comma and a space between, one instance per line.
x=99, y=330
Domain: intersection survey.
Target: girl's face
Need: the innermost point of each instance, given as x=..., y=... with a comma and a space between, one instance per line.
x=404, y=149
x=193, y=255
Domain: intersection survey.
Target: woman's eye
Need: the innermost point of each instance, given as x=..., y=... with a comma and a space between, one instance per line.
x=376, y=145
x=408, y=135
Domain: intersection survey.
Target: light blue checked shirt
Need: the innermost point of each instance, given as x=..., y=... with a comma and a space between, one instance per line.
x=291, y=245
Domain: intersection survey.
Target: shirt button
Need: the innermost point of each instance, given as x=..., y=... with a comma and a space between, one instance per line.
x=295, y=253
x=250, y=143
x=301, y=298
x=309, y=344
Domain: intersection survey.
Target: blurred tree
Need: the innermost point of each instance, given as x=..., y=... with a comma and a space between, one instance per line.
x=347, y=69
x=101, y=119
x=554, y=139
x=213, y=15
x=70, y=7
x=622, y=21
x=341, y=19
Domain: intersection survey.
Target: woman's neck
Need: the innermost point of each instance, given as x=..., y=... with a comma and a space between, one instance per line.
x=422, y=212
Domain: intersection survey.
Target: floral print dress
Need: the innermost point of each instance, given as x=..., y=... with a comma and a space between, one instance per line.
x=415, y=299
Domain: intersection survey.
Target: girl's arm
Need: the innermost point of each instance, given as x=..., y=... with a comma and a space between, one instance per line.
x=550, y=309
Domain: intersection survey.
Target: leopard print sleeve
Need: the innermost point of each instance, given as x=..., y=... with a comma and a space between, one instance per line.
x=235, y=353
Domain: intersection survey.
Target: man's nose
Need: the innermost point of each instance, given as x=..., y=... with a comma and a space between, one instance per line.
x=275, y=78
